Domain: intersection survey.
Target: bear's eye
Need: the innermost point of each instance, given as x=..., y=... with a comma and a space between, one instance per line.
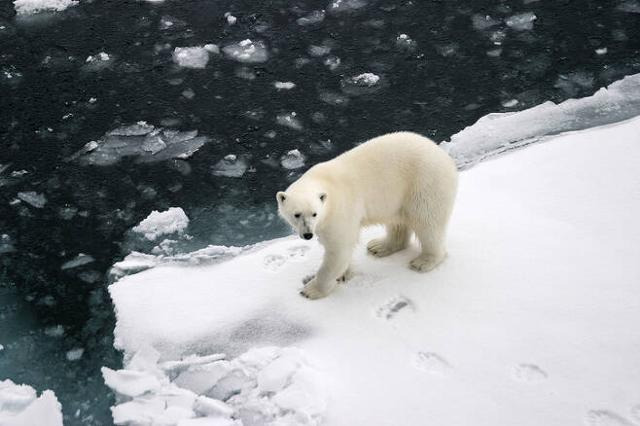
x=315, y=214
x=297, y=215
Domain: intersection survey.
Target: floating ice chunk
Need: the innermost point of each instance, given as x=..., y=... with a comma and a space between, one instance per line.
x=333, y=62
x=20, y=406
x=574, y=82
x=247, y=51
x=230, y=18
x=404, y=42
x=521, y=21
x=196, y=57
x=230, y=166
x=601, y=51
x=315, y=50
x=26, y=7
x=6, y=244
x=483, y=22
x=141, y=140
x=54, y=331
x=173, y=220
x=75, y=354
x=361, y=84
x=496, y=133
x=333, y=98
x=342, y=6
x=290, y=120
x=79, y=260
x=33, y=198
x=292, y=159
x=629, y=6
x=246, y=73
x=130, y=382
x=510, y=103
x=314, y=17
x=98, y=61
x=284, y=85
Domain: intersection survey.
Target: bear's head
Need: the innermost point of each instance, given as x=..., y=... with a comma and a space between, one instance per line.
x=302, y=210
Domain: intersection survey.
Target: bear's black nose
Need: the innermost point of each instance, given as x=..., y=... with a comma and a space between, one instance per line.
x=307, y=236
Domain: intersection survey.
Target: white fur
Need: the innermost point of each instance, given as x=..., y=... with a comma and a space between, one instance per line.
x=402, y=180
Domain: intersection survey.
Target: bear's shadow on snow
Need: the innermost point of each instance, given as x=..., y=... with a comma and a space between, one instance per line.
x=265, y=329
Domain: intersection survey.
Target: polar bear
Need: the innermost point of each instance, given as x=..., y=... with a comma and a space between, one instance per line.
x=401, y=180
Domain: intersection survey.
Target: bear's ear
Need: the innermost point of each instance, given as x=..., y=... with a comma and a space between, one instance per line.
x=323, y=196
x=281, y=196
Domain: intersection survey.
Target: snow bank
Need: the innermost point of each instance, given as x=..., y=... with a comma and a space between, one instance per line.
x=496, y=133
x=20, y=406
x=27, y=7
x=143, y=141
x=531, y=320
x=262, y=386
x=171, y=221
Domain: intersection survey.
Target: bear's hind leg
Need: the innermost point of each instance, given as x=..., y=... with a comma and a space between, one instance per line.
x=397, y=239
x=433, y=250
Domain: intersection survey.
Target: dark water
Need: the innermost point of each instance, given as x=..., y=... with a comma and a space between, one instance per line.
x=52, y=103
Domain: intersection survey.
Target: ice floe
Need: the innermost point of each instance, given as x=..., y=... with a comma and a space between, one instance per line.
x=521, y=21
x=293, y=159
x=284, y=85
x=290, y=120
x=20, y=406
x=33, y=198
x=434, y=339
x=496, y=133
x=247, y=51
x=314, y=17
x=196, y=57
x=26, y=7
x=230, y=166
x=171, y=221
x=143, y=141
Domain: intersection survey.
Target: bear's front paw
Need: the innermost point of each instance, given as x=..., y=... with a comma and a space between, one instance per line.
x=314, y=290
x=308, y=278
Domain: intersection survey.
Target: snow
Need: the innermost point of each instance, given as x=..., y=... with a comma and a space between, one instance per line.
x=529, y=321
x=26, y=7
x=496, y=133
x=171, y=221
x=20, y=406
x=196, y=57
x=247, y=51
x=141, y=140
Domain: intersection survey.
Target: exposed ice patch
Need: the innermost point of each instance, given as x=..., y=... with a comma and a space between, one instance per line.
x=196, y=57
x=26, y=7
x=230, y=18
x=404, y=42
x=247, y=51
x=496, y=133
x=230, y=166
x=265, y=386
x=141, y=140
x=289, y=119
x=20, y=406
x=313, y=17
x=98, y=61
x=521, y=21
x=292, y=159
x=171, y=221
x=33, y=198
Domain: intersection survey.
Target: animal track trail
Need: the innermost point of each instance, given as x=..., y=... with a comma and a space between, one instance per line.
x=529, y=373
x=273, y=262
x=432, y=363
x=605, y=418
x=298, y=252
x=393, y=306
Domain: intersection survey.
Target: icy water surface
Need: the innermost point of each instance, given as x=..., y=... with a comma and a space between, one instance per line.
x=112, y=109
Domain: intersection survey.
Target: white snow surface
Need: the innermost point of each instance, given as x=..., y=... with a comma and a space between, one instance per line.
x=20, y=406
x=170, y=221
x=499, y=132
x=531, y=320
x=27, y=7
